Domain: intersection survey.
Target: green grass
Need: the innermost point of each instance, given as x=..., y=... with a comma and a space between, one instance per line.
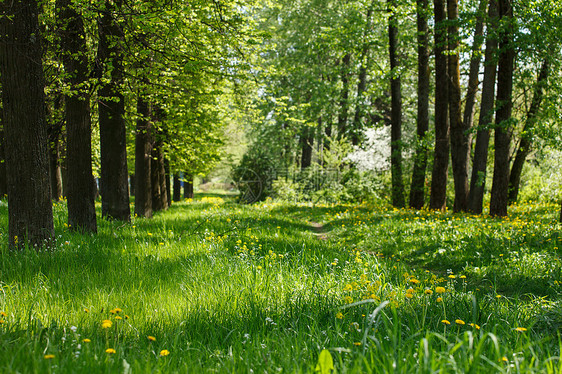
x=231, y=288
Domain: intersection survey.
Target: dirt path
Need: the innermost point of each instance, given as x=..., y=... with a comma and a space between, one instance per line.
x=318, y=230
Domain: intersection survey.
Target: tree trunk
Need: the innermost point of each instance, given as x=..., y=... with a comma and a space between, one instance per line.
x=438, y=195
x=158, y=178
x=460, y=137
x=79, y=192
x=526, y=136
x=55, y=172
x=30, y=214
x=3, y=176
x=111, y=108
x=177, y=187
x=498, y=200
x=167, y=183
x=143, y=151
x=417, y=188
x=344, y=98
x=307, y=142
x=188, y=186
x=396, y=111
x=478, y=177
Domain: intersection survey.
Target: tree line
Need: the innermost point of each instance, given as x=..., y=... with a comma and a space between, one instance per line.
x=82, y=78
x=464, y=86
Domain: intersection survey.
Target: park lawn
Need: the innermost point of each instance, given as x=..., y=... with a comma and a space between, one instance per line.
x=213, y=286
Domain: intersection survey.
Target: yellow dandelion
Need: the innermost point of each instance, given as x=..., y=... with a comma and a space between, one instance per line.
x=498, y=296
x=113, y=311
x=339, y=315
x=475, y=326
x=86, y=310
x=110, y=351
x=2, y=322
x=105, y=324
x=3, y=314
x=118, y=310
x=151, y=338
x=357, y=344
x=86, y=340
x=446, y=322
x=504, y=359
x=126, y=316
x=463, y=276
x=428, y=292
x=452, y=276
x=164, y=352
x=48, y=357
x=414, y=281
x=348, y=299
x=520, y=329
x=459, y=322
x=410, y=290
x=118, y=318
x=440, y=290
x=409, y=295
x=149, y=233
x=259, y=267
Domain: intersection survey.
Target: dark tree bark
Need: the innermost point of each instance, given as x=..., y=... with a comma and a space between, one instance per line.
x=478, y=177
x=526, y=137
x=438, y=195
x=3, y=176
x=79, y=192
x=177, y=187
x=396, y=111
x=417, y=187
x=30, y=214
x=344, y=98
x=132, y=185
x=167, y=183
x=460, y=137
x=143, y=152
x=111, y=108
x=188, y=186
x=498, y=200
x=307, y=141
x=158, y=177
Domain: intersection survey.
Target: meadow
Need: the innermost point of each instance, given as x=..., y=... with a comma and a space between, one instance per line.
x=214, y=286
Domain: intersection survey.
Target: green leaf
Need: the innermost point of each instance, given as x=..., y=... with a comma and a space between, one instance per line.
x=325, y=362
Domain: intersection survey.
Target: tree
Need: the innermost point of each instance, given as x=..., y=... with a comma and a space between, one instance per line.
x=30, y=212
x=480, y=161
x=417, y=188
x=111, y=109
x=438, y=196
x=498, y=200
x=526, y=137
x=79, y=189
x=396, y=111
x=143, y=155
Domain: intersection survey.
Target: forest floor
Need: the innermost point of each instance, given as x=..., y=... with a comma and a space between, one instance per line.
x=214, y=286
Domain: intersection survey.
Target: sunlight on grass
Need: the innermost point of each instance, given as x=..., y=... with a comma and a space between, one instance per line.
x=212, y=285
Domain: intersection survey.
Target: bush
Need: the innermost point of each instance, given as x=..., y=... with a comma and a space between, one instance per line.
x=254, y=176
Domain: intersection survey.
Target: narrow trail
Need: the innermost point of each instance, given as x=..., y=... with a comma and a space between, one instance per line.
x=318, y=230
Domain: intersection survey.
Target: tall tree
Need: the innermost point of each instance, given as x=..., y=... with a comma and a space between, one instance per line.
x=30, y=215
x=111, y=109
x=3, y=181
x=480, y=161
x=417, y=188
x=526, y=136
x=438, y=195
x=143, y=154
x=79, y=191
x=459, y=134
x=396, y=110
x=500, y=184
x=344, y=96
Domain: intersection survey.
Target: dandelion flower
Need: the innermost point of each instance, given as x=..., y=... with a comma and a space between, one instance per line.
x=259, y=267
x=3, y=314
x=498, y=296
x=452, y=276
x=164, y=352
x=428, y=292
x=118, y=318
x=475, y=326
x=48, y=357
x=409, y=295
x=357, y=344
x=463, y=276
x=86, y=310
x=414, y=281
x=459, y=322
x=446, y=322
x=110, y=351
x=440, y=290
x=105, y=324
x=2, y=322
x=118, y=310
x=339, y=315
x=520, y=329
x=504, y=359
x=151, y=338
x=126, y=316
x=86, y=340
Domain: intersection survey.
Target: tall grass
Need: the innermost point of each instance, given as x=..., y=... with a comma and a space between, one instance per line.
x=228, y=288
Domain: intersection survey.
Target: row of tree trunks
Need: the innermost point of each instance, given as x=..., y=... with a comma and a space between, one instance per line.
x=111, y=109
x=480, y=161
x=30, y=214
x=417, y=187
x=188, y=186
x=498, y=200
x=438, y=194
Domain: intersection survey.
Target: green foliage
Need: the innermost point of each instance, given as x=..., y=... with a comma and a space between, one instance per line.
x=254, y=175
